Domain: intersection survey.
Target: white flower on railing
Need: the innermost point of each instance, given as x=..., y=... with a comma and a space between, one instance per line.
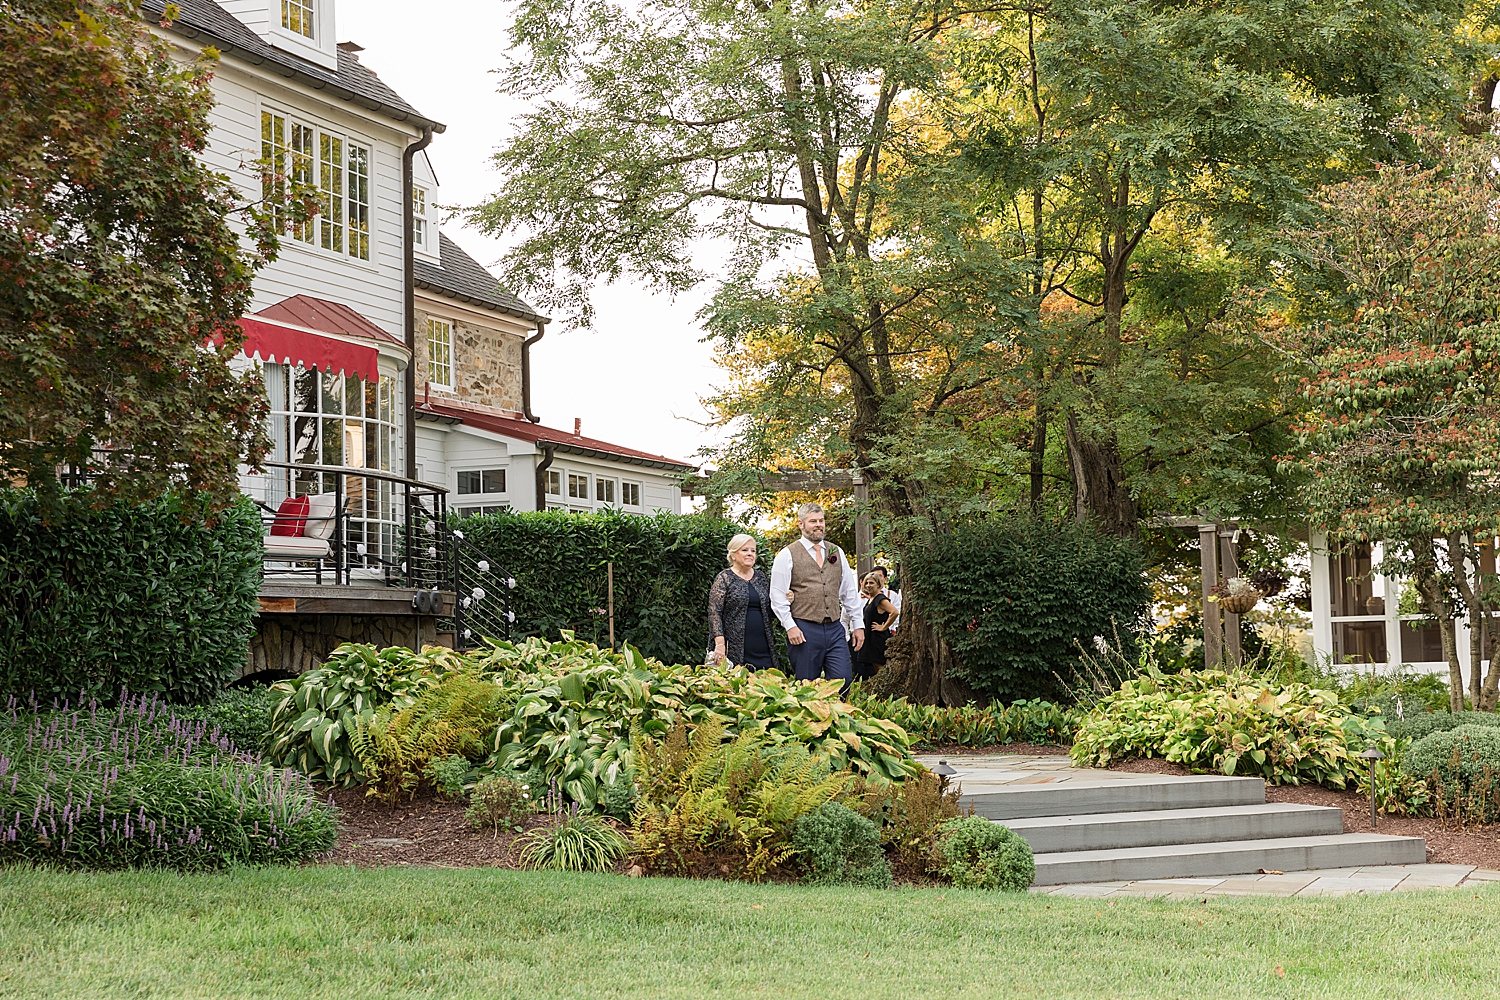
x=468, y=634
x=478, y=593
x=468, y=601
x=403, y=567
x=360, y=548
x=510, y=582
x=432, y=552
x=510, y=616
x=484, y=566
x=458, y=534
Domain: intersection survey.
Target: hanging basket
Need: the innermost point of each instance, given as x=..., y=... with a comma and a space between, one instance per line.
x=1237, y=596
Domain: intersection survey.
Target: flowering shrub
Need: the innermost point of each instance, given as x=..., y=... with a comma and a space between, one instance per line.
x=1232, y=723
x=135, y=786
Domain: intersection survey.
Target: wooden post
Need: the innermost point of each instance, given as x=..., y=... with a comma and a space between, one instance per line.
x=864, y=534
x=1208, y=553
x=1231, y=568
x=610, y=569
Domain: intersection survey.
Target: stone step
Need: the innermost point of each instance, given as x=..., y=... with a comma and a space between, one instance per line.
x=1111, y=795
x=1106, y=831
x=1241, y=857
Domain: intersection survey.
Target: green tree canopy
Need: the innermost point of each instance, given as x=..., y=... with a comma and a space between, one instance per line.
x=121, y=277
x=1402, y=428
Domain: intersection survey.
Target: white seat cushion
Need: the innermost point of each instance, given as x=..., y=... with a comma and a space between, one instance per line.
x=296, y=547
x=319, y=516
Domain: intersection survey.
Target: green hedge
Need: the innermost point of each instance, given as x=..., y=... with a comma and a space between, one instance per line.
x=145, y=597
x=664, y=566
x=1015, y=597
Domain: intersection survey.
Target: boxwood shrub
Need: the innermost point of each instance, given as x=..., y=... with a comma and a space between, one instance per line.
x=150, y=597
x=663, y=566
x=1462, y=768
x=1016, y=596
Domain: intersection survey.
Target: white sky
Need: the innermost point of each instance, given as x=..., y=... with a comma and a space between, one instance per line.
x=635, y=379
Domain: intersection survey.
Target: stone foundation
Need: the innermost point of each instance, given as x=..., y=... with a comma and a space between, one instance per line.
x=295, y=643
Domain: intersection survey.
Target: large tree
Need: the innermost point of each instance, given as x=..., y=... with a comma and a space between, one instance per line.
x=1402, y=430
x=121, y=277
x=1145, y=157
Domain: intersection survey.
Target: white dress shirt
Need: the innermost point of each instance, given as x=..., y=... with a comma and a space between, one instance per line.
x=781, y=582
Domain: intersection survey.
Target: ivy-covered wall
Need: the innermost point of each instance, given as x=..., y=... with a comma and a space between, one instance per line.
x=663, y=564
x=149, y=597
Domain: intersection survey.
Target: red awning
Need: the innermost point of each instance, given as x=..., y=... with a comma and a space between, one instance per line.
x=290, y=345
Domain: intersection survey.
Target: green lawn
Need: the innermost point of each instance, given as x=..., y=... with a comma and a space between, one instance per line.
x=405, y=932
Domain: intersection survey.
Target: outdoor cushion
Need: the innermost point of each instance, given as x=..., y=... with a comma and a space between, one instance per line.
x=319, y=516
x=284, y=547
x=291, y=517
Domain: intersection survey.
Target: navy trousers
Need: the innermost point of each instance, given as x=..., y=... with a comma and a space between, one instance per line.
x=825, y=653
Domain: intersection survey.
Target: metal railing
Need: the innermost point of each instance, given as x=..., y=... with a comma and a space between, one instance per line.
x=392, y=530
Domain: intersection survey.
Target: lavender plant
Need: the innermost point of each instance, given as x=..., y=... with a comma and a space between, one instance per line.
x=136, y=786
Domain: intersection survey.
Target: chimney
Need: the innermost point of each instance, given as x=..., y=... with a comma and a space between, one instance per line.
x=578, y=427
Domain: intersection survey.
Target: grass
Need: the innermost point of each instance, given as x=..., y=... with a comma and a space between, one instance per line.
x=406, y=932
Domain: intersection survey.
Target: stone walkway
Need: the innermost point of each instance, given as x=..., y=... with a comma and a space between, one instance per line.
x=1326, y=882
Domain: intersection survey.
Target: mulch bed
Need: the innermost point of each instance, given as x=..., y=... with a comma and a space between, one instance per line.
x=428, y=830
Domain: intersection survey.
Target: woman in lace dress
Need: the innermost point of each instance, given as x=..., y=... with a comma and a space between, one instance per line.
x=739, y=610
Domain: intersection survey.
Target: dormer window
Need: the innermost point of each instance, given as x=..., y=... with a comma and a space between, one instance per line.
x=419, y=217
x=299, y=16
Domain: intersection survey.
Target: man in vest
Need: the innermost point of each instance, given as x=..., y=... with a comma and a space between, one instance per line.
x=811, y=588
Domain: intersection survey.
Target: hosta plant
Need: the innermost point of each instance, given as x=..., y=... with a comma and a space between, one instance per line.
x=577, y=705
x=1287, y=733
x=321, y=709
x=1022, y=721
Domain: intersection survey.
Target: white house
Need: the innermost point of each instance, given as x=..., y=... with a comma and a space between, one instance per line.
x=334, y=324
x=1357, y=615
x=475, y=433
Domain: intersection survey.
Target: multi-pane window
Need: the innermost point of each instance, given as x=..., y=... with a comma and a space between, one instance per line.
x=554, y=483
x=630, y=494
x=578, y=486
x=303, y=160
x=440, y=353
x=419, y=217
x=604, y=490
x=298, y=16
x=480, y=484
x=325, y=418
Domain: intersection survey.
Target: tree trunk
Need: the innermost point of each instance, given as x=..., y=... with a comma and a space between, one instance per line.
x=1430, y=586
x=1461, y=558
x=1099, y=490
x=1038, y=451
x=919, y=664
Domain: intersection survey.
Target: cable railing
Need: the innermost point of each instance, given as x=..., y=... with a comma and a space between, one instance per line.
x=364, y=526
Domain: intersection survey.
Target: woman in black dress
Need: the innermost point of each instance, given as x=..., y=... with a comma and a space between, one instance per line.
x=880, y=614
x=739, y=610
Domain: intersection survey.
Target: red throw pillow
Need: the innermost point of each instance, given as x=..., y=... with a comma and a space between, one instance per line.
x=291, y=517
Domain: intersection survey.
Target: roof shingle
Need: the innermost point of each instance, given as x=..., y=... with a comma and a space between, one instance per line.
x=464, y=278
x=353, y=81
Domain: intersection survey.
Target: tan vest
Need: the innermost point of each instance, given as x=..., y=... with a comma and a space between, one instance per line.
x=815, y=589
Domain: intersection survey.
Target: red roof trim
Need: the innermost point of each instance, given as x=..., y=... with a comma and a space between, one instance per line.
x=525, y=430
x=327, y=316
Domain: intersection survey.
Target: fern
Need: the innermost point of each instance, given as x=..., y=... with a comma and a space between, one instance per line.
x=454, y=719
x=701, y=796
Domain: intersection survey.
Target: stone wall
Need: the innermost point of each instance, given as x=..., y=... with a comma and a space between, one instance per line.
x=300, y=642
x=486, y=362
